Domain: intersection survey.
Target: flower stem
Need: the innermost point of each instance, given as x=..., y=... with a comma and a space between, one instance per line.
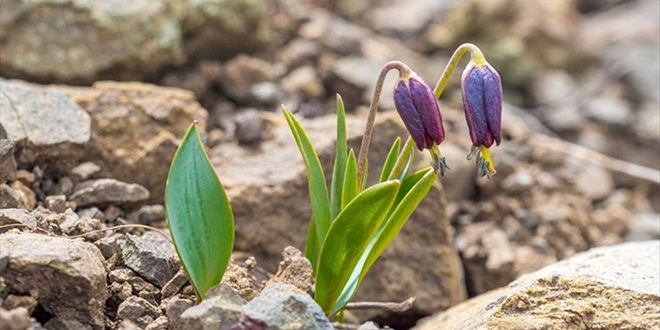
x=404, y=71
x=477, y=57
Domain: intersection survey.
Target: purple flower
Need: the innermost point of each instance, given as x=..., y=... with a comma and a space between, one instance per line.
x=482, y=101
x=419, y=111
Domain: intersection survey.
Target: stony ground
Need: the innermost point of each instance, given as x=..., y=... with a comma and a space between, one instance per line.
x=82, y=150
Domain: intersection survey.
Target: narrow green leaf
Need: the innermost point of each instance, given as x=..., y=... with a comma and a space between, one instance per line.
x=312, y=248
x=199, y=215
x=403, y=158
x=350, y=180
x=412, y=192
x=318, y=191
x=348, y=237
x=340, y=161
x=390, y=160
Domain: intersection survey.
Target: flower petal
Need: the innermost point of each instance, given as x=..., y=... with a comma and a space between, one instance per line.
x=493, y=102
x=404, y=105
x=473, y=104
x=428, y=110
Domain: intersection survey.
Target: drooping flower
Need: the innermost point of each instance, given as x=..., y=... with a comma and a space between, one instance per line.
x=482, y=102
x=420, y=113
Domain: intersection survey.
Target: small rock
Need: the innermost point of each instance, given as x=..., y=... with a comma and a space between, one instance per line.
x=57, y=142
x=120, y=291
x=369, y=326
x=68, y=276
x=108, y=246
x=138, y=311
x=13, y=301
x=283, y=306
x=56, y=203
x=18, y=216
x=644, y=226
x=294, y=269
x=27, y=178
x=173, y=308
x=57, y=323
x=147, y=214
x=160, y=323
x=241, y=280
x=609, y=110
x=226, y=292
x=249, y=127
x=304, y=80
x=121, y=275
x=64, y=186
x=242, y=72
x=27, y=195
x=551, y=87
x=7, y=160
x=352, y=77
x=15, y=319
x=594, y=181
x=111, y=213
x=91, y=212
x=101, y=192
x=11, y=198
x=152, y=256
x=174, y=285
x=73, y=225
x=266, y=93
x=214, y=313
x=84, y=172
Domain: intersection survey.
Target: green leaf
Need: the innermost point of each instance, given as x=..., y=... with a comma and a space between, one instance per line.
x=412, y=192
x=318, y=191
x=312, y=248
x=348, y=237
x=403, y=158
x=350, y=180
x=340, y=161
x=390, y=160
x=199, y=215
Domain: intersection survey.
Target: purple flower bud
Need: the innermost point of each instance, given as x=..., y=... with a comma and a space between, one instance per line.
x=482, y=101
x=419, y=111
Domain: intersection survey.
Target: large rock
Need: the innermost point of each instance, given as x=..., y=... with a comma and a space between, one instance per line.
x=215, y=313
x=67, y=277
x=7, y=160
x=276, y=195
x=82, y=41
x=136, y=129
x=57, y=142
x=615, y=287
x=103, y=192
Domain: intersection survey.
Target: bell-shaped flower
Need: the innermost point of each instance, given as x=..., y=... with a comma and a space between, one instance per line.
x=482, y=102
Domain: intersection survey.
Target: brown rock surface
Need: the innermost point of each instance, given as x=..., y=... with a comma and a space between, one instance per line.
x=135, y=129
x=616, y=287
x=268, y=189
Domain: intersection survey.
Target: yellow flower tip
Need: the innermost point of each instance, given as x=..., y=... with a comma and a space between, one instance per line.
x=439, y=163
x=485, y=153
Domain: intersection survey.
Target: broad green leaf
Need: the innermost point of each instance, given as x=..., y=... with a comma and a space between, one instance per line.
x=340, y=161
x=390, y=160
x=199, y=215
x=412, y=192
x=350, y=180
x=312, y=248
x=403, y=159
x=348, y=237
x=318, y=191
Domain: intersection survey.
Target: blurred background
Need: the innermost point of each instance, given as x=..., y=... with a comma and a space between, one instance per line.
x=578, y=167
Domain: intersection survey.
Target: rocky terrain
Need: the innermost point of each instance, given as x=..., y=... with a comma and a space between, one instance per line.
x=95, y=97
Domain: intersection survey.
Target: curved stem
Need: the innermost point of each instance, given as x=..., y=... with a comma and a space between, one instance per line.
x=404, y=71
x=477, y=57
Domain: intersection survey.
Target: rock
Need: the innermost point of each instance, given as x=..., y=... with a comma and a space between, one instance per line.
x=66, y=276
x=160, y=323
x=56, y=143
x=305, y=80
x=147, y=214
x=405, y=19
x=56, y=203
x=294, y=269
x=609, y=110
x=284, y=211
x=138, y=311
x=615, y=287
x=10, y=216
x=7, y=160
x=214, y=313
x=15, y=319
x=11, y=198
x=369, y=326
x=108, y=246
x=267, y=94
x=241, y=280
x=27, y=195
x=152, y=256
x=57, y=323
x=120, y=291
x=84, y=171
x=174, y=285
x=242, y=72
x=594, y=181
x=73, y=225
x=641, y=63
x=552, y=87
x=351, y=78
x=112, y=213
x=173, y=307
x=136, y=129
x=282, y=306
x=91, y=212
x=227, y=293
x=101, y=192
x=249, y=127
x=644, y=226
x=13, y=301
